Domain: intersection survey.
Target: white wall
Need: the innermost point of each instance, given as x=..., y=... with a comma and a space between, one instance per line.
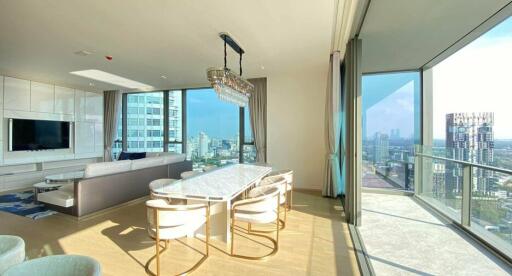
x=296, y=126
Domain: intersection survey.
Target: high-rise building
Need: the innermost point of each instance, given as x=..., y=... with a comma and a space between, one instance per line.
x=203, y=144
x=469, y=137
x=380, y=148
x=394, y=134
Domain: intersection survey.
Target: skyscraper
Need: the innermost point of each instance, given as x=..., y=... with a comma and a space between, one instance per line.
x=203, y=144
x=470, y=137
x=380, y=148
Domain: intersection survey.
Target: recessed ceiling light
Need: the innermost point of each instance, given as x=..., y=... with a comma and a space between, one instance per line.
x=163, y=77
x=262, y=67
x=112, y=79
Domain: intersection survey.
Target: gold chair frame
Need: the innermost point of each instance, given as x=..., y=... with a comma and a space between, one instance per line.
x=275, y=241
x=282, y=222
x=157, y=236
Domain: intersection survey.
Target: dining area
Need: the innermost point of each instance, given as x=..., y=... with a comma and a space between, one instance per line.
x=218, y=207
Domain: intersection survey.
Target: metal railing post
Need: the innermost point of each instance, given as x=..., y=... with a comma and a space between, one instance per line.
x=418, y=174
x=467, y=185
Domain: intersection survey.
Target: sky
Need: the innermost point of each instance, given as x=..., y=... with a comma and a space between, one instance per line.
x=205, y=112
x=388, y=103
x=477, y=78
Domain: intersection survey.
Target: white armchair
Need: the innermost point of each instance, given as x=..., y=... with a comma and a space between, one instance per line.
x=168, y=222
x=288, y=175
x=261, y=209
x=268, y=182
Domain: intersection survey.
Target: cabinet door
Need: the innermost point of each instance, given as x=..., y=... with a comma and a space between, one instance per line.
x=79, y=106
x=42, y=97
x=84, y=137
x=16, y=94
x=64, y=100
x=94, y=107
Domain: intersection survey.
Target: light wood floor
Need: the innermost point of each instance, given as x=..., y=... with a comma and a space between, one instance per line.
x=315, y=242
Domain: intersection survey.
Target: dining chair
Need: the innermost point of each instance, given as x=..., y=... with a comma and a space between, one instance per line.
x=288, y=174
x=280, y=183
x=169, y=222
x=262, y=209
x=188, y=174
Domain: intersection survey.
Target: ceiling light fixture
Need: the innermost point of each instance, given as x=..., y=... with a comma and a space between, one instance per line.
x=229, y=86
x=112, y=79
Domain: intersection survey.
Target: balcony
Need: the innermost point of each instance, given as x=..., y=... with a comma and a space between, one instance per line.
x=454, y=224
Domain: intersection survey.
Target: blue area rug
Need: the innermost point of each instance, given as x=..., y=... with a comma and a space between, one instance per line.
x=22, y=204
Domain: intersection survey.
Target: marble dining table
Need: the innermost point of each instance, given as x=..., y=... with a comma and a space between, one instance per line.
x=218, y=187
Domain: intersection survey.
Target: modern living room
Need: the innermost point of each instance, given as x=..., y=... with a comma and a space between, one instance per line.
x=330, y=137
x=108, y=106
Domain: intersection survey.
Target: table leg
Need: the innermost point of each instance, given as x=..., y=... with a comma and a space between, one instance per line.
x=36, y=191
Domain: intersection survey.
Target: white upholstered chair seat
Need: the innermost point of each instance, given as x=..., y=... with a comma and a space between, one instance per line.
x=265, y=217
x=287, y=174
x=177, y=231
x=269, y=182
x=262, y=209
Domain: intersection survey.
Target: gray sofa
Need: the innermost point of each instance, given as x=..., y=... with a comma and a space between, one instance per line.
x=112, y=183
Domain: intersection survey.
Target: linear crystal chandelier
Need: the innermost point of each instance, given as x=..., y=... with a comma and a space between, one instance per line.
x=229, y=86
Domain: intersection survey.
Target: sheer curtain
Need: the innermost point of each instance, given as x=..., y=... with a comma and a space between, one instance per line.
x=332, y=184
x=111, y=105
x=258, y=113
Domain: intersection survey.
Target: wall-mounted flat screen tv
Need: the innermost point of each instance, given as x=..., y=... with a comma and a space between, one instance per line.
x=38, y=135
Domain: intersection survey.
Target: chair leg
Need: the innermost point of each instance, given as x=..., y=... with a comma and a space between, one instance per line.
x=157, y=241
x=232, y=233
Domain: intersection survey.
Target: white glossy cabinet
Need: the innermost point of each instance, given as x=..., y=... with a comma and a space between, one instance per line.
x=84, y=137
x=42, y=97
x=94, y=107
x=98, y=138
x=79, y=105
x=16, y=94
x=64, y=100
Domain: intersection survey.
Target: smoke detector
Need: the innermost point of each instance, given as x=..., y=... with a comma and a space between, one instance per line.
x=83, y=53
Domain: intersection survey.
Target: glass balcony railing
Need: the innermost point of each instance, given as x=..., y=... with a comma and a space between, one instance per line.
x=475, y=194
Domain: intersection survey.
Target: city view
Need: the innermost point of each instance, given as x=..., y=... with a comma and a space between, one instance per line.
x=212, y=127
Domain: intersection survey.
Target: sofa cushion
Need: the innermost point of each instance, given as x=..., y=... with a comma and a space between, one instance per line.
x=174, y=158
x=131, y=155
x=147, y=162
x=103, y=168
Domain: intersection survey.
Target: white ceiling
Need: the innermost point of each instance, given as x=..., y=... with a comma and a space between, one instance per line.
x=406, y=34
x=147, y=39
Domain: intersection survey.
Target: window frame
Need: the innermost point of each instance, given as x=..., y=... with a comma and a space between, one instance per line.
x=183, y=142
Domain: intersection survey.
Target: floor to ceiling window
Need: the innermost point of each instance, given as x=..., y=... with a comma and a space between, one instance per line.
x=391, y=128
x=197, y=123
x=213, y=129
x=471, y=134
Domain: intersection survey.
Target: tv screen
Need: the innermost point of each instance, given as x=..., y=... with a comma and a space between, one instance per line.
x=38, y=135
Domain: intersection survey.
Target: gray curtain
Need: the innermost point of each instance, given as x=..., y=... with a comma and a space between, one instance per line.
x=258, y=113
x=111, y=105
x=332, y=184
